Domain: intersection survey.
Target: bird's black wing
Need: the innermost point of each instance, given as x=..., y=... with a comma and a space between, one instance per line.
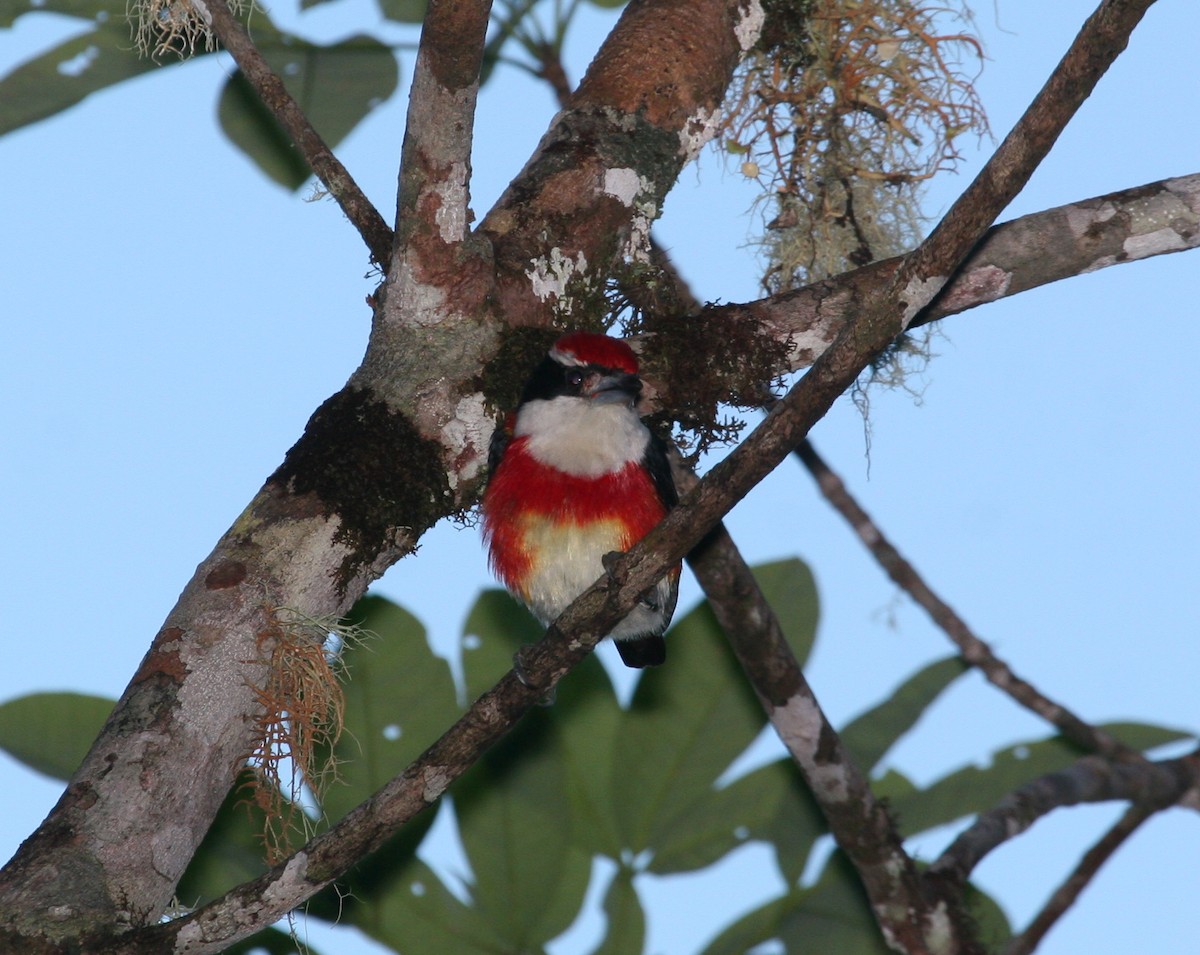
x=659, y=467
x=499, y=443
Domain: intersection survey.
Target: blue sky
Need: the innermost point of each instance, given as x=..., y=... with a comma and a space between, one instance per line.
x=172, y=318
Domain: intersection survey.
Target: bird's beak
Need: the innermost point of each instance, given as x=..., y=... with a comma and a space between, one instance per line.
x=617, y=388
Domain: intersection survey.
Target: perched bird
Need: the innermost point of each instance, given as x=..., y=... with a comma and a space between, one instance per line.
x=576, y=475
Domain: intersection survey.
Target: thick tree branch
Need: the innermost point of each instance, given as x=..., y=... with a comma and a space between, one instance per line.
x=274, y=95
x=647, y=104
x=374, y=469
x=1116, y=229
x=974, y=650
x=400, y=447
x=907, y=916
x=1154, y=785
x=1066, y=894
x=435, y=166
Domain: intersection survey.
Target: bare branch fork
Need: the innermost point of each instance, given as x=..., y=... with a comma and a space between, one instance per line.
x=1066, y=894
x=1150, y=785
x=1104, y=35
x=257, y=566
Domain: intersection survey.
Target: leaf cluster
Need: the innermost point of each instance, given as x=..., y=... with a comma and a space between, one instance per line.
x=647, y=786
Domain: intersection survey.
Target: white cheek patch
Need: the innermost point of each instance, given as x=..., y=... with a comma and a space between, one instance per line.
x=582, y=437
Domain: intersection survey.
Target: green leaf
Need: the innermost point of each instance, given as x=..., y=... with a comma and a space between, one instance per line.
x=991, y=925
x=975, y=789
x=754, y=928
x=608, y=4
x=496, y=628
x=690, y=719
x=687, y=722
x=868, y=737
x=419, y=914
x=515, y=812
x=399, y=698
x=831, y=916
x=583, y=720
x=716, y=825
x=791, y=591
x=86, y=9
x=232, y=851
x=515, y=823
x=795, y=823
x=63, y=76
x=834, y=916
x=52, y=732
x=626, y=933
x=404, y=11
x=335, y=86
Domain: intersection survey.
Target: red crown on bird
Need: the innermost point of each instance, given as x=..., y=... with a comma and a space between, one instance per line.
x=590, y=348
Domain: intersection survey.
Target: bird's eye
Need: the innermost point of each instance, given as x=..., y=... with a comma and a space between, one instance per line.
x=575, y=377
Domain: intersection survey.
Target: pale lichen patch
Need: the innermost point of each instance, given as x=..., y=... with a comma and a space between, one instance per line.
x=466, y=437
x=288, y=889
x=419, y=304
x=1080, y=219
x=798, y=723
x=697, y=130
x=984, y=284
x=1153, y=243
x=750, y=25
x=451, y=216
x=916, y=295
x=622, y=184
x=551, y=273
x=437, y=779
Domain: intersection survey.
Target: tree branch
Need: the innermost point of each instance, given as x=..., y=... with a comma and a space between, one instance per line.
x=1026, y=253
x=647, y=104
x=365, y=481
x=435, y=165
x=274, y=95
x=1066, y=894
x=906, y=915
x=974, y=651
x=1154, y=785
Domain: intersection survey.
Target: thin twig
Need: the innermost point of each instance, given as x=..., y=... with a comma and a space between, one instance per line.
x=974, y=650
x=1154, y=784
x=1066, y=894
x=324, y=164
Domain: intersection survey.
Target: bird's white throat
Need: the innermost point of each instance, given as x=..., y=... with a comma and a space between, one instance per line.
x=582, y=437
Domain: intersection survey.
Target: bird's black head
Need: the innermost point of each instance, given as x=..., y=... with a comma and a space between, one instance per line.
x=589, y=366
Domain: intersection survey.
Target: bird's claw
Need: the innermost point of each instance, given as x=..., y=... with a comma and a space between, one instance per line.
x=522, y=673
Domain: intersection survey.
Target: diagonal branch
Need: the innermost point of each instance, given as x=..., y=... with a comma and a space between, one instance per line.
x=274, y=95
x=859, y=823
x=1155, y=785
x=974, y=650
x=1066, y=894
x=1087, y=235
